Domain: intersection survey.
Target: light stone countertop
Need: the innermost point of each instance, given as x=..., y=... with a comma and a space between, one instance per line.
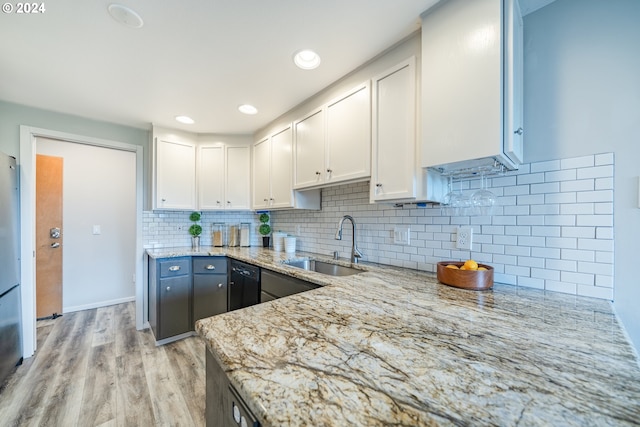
x=393, y=346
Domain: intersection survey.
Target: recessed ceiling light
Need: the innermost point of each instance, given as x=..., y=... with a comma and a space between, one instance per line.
x=125, y=16
x=306, y=59
x=248, y=109
x=185, y=119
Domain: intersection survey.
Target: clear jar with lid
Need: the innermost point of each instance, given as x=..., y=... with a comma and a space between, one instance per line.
x=234, y=235
x=245, y=234
x=218, y=234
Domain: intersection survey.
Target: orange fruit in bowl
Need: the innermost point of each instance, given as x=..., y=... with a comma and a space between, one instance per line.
x=452, y=266
x=482, y=269
x=470, y=265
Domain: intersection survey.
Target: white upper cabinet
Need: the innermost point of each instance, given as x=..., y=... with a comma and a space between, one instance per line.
x=237, y=178
x=223, y=177
x=396, y=174
x=193, y=174
x=261, y=174
x=333, y=142
x=472, y=84
x=211, y=174
x=349, y=136
x=393, y=154
x=281, y=169
x=309, y=153
x=273, y=175
x=174, y=177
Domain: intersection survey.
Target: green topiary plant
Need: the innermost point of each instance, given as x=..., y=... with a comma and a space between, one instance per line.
x=195, y=230
x=264, y=229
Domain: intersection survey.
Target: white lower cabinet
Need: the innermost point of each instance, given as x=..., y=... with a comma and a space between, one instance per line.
x=396, y=175
x=273, y=175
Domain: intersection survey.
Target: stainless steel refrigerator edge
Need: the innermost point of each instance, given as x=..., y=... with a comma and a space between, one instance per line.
x=10, y=302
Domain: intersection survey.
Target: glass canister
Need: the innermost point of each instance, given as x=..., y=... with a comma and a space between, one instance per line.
x=245, y=236
x=218, y=234
x=234, y=235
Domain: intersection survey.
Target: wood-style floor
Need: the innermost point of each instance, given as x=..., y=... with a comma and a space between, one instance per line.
x=92, y=368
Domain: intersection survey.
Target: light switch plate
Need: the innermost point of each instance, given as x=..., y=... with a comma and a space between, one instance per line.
x=464, y=237
x=401, y=235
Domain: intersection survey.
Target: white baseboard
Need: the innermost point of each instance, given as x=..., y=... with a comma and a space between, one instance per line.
x=97, y=304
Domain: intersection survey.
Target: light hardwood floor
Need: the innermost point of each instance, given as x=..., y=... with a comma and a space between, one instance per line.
x=92, y=368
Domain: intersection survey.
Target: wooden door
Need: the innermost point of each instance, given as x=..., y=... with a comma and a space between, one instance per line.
x=48, y=236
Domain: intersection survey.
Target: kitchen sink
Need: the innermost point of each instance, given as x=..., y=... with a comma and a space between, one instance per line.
x=324, y=267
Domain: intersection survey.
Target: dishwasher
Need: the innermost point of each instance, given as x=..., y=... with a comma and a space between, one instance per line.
x=244, y=285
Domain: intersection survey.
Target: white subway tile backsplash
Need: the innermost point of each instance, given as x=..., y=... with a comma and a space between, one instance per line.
x=577, y=162
x=581, y=185
x=604, y=159
x=560, y=175
x=595, y=172
x=551, y=165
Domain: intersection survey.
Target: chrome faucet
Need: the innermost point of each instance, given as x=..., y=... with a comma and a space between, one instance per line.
x=355, y=253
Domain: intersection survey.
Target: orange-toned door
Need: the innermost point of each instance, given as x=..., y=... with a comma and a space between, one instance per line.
x=48, y=236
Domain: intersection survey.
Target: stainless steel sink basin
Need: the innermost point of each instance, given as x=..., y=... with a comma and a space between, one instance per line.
x=324, y=267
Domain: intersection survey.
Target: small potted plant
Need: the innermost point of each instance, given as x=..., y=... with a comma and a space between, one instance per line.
x=195, y=230
x=265, y=229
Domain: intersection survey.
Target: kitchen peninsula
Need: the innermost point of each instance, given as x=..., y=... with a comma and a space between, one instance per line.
x=393, y=346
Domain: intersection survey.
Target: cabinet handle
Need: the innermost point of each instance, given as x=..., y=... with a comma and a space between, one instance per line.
x=378, y=185
x=168, y=288
x=219, y=285
x=265, y=200
x=164, y=200
x=228, y=202
x=519, y=131
x=174, y=268
x=318, y=173
x=329, y=170
x=218, y=202
x=210, y=267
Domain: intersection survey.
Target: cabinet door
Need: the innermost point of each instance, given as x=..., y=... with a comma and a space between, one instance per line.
x=309, y=150
x=513, y=132
x=175, y=314
x=261, y=174
x=461, y=82
x=210, y=175
x=282, y=169
x=209, y=295
x=394, y=133
x=349, y=136
x=175, y=174
x=238, y=181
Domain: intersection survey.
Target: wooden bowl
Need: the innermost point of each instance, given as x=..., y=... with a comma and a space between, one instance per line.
x=476, y=280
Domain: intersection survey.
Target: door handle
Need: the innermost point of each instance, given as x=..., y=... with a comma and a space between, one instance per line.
x=54, y=233
x=55, y=245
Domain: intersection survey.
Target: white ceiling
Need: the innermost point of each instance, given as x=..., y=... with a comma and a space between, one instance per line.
x=200, y=58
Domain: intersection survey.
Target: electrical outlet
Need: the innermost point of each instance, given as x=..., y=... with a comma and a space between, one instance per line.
x=464, y=237
x=401, y=235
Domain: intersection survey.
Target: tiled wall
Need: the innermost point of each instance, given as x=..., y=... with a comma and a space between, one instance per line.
x=552, y=227
x=170, y=228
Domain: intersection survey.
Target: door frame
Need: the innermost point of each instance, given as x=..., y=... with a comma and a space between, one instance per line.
x=27, y=179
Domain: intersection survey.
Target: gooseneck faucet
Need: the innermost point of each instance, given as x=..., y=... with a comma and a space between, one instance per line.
x=355, y=253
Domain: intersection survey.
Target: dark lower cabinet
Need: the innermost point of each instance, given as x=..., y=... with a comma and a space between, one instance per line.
x=224, y=406
x=209, y=286
x=170, y=296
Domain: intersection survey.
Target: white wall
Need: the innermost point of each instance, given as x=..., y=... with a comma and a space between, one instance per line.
x=582, y=96
x=99, y=188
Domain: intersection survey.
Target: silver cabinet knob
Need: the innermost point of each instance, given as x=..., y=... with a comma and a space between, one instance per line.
x=168, y=288
x=210, y=267
x=174, y=268
x=519, y=131
x=219, y=285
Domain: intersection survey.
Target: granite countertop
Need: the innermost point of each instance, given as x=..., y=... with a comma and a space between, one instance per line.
x=393, y=346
